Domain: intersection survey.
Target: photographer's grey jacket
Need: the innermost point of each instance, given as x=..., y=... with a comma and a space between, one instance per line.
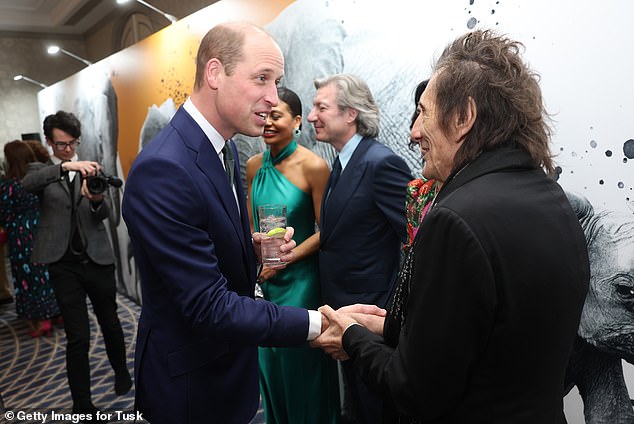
x=53, y=231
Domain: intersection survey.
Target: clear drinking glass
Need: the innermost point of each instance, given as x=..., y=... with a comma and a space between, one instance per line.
x=271, y=217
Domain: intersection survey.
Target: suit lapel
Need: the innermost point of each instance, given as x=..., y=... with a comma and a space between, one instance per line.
x=242, y=201
x=324, y=230
x=74, y=185
x=65, y=183
x=350, y=178
x=209, y=164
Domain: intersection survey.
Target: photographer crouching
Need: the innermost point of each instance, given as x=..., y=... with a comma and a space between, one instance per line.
x=71, y=238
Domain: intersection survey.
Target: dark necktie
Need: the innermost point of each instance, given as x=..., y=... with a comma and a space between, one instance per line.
x=227, y=155
x=336, y=173
x=334, y=177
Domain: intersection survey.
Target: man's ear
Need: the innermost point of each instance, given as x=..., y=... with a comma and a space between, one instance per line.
x=464, y=123
x=351, y=115
x=214, y=70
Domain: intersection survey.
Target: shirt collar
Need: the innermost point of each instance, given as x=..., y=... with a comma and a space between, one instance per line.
x=212, y=134
x=348, y=149
x=57, y=161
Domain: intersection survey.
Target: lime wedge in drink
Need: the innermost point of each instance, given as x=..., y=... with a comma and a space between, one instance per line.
x=277, y=232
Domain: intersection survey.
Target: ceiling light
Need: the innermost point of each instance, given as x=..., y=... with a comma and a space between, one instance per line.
x=167, y=16
x=32, y=81
x=56, y=49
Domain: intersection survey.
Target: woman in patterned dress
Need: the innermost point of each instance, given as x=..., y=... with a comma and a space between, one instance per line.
x=19, y=212
x=420, y=192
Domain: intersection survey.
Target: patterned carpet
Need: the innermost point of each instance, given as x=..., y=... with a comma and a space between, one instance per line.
x=33, y=373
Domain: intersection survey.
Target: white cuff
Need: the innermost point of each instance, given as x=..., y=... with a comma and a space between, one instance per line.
x=314, y=326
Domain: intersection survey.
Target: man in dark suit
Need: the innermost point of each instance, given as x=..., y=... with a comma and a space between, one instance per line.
x=72, y=239
x=196, y=356
x=362, y=215
x=484, y=320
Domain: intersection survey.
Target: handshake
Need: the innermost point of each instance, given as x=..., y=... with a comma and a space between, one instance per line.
x=335, y=323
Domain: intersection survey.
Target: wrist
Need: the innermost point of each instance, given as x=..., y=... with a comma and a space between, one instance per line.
x=350, y=325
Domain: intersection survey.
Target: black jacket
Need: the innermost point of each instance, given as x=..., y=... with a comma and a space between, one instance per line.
x=499, y=281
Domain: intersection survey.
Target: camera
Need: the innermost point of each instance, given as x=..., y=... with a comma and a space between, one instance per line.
x=97, y=184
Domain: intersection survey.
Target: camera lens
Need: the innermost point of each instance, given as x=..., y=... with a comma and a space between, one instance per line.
x=96, y=184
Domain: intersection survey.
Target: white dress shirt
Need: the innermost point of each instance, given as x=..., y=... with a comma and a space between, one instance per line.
x=348, y=149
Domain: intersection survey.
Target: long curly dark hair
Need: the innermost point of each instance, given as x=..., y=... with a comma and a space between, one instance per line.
x=488, y=68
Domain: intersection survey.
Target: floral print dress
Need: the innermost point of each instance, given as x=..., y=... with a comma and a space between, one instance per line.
x=19, y=213
x=419, y=198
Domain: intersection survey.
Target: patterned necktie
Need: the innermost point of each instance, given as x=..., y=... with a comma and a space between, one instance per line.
x=227, y=155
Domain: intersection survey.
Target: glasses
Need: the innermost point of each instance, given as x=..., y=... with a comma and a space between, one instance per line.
x=60, y=145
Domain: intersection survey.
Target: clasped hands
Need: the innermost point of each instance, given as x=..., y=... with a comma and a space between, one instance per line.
x=335, y=323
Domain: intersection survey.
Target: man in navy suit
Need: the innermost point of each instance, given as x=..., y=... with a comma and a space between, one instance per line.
x=196, y=355
x=363, y=219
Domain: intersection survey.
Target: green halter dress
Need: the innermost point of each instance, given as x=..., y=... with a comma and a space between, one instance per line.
x=298, y=384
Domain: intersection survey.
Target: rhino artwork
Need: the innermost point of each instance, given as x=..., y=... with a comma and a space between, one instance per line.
x=606, y=330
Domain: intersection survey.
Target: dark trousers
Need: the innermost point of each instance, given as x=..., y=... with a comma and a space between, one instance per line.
x=72, y=281
x=360, y=405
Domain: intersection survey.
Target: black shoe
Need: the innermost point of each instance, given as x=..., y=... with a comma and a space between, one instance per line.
x=6, y=300
x=122, y=383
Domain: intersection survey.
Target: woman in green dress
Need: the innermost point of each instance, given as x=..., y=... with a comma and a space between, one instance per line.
x=298, y=385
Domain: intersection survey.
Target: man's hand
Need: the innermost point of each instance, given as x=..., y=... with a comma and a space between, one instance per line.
x=324, y=323
x=87, y=169
x=84, y=167
x=330, y=340
x=289, y=244
x=370, y=316
x=94, y=198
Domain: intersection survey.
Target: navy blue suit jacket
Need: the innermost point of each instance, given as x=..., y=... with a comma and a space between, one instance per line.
x=363, y=224
x=196, y=354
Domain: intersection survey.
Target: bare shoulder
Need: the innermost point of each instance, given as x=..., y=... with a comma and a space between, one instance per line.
x=253, y=164
x=312, y=162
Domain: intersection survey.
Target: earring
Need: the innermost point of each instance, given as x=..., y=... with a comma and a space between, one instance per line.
x=297, y=132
